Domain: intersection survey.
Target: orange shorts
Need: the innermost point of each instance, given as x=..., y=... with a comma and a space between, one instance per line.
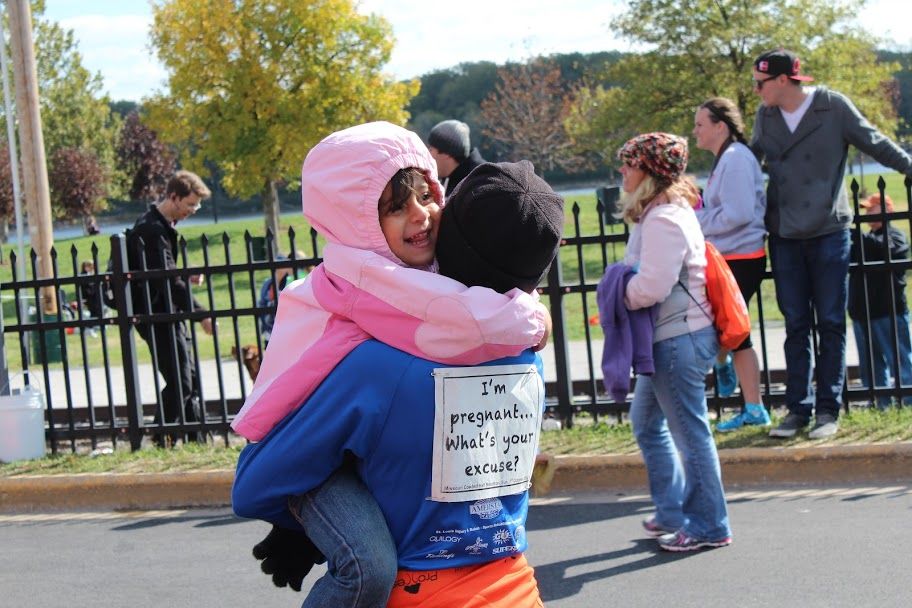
x=506, y=583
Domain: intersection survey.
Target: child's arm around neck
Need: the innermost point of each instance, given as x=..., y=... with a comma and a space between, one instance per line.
x=432, y=316
x=355, y=295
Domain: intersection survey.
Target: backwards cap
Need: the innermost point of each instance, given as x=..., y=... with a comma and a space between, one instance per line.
x=780, y=61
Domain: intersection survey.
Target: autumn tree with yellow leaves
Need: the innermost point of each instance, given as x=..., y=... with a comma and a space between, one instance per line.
x=254, y=84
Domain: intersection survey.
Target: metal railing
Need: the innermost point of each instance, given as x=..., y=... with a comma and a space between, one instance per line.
x=99, y=387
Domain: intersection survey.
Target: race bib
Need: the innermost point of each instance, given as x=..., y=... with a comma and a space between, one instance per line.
x=486, y=425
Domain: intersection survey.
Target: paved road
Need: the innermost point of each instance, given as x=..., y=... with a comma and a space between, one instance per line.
x=802, y=547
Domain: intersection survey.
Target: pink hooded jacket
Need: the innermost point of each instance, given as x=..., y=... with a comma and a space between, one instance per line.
x=361, y=290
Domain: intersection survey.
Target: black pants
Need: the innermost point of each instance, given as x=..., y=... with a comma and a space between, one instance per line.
x=172, y=360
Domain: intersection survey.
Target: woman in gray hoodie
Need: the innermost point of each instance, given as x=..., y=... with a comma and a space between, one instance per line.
x=731, y=218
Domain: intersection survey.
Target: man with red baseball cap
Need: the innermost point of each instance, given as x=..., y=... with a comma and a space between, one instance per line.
x=802, y=135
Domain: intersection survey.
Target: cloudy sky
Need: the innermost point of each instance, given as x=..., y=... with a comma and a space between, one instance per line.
x=113, y=34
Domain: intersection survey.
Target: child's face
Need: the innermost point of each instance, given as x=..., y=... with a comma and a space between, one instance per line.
x=411, y=229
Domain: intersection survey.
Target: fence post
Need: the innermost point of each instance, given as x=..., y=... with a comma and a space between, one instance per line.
x=559, y=341
x=123, y=300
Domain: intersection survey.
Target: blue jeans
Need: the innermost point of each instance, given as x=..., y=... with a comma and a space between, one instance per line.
x=884, y=350
x=813, y=274
x=668, y=415
x=344, y=521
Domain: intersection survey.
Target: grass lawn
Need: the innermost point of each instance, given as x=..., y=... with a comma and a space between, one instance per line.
x=226, y=242
x=189, y=457
x=860, y=426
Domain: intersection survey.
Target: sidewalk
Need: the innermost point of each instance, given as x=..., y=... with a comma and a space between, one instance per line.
x=842, y=465
x=774, y=334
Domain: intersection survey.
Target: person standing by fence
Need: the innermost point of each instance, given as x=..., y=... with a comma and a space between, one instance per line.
x=803, y=135
x=152, y=244
x=732, y=219
x=882, y=284
x=91, y=299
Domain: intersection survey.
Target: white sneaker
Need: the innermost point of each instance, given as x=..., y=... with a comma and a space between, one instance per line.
x=825, y=426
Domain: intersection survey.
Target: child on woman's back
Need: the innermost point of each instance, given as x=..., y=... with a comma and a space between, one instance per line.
x=372, y=192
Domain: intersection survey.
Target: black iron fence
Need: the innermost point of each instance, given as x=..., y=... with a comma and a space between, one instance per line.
x=100, y=384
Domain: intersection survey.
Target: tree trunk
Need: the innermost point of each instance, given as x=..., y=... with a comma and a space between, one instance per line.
x=271, y=212
x=4, y=230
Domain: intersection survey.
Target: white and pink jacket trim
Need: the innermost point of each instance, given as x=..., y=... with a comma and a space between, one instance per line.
x=355, y=295
x=361, y=290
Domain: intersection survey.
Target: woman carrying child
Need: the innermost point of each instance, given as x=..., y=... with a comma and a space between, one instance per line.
x=372, y=192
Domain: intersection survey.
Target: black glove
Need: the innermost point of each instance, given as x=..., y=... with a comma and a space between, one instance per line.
x=288, y=555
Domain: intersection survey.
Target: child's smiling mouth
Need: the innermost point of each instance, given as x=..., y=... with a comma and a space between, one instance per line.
x=420, y=239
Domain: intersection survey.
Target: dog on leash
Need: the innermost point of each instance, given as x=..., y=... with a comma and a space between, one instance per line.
x=250, y=357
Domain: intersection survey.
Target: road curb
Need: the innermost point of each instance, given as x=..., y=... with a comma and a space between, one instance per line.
x=553, y=474
x=741, y=467
x=115, y=491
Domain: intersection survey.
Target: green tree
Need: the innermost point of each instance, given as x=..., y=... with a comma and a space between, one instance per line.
x=904, y=83
x=703, y=48
x=124, y=107
x=74, y=112
x=253, y=85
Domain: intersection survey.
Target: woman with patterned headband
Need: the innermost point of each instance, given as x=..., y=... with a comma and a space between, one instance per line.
x=668, y=412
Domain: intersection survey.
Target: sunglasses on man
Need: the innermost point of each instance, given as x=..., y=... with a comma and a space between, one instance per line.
x=758, y=84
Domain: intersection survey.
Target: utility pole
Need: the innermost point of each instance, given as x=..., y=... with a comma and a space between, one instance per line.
x=31, y=142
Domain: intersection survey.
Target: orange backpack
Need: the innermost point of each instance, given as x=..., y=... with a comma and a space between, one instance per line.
x=732, y=321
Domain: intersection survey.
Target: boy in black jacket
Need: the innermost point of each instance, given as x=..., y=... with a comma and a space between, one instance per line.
x=882, y=284
x=152, y=244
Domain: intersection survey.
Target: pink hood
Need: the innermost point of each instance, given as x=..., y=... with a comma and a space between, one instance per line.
x=361, y=289
x=345, y=174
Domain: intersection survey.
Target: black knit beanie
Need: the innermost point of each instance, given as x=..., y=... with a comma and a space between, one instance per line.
x=451, y=137
x=500, y=228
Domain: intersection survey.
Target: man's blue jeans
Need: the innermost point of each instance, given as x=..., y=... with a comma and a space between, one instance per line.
x=884, y=351
x=813, y=275
x=668, y=415
x=344, y=521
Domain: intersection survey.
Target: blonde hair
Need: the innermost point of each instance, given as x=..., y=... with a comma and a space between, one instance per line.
x=682, y=192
